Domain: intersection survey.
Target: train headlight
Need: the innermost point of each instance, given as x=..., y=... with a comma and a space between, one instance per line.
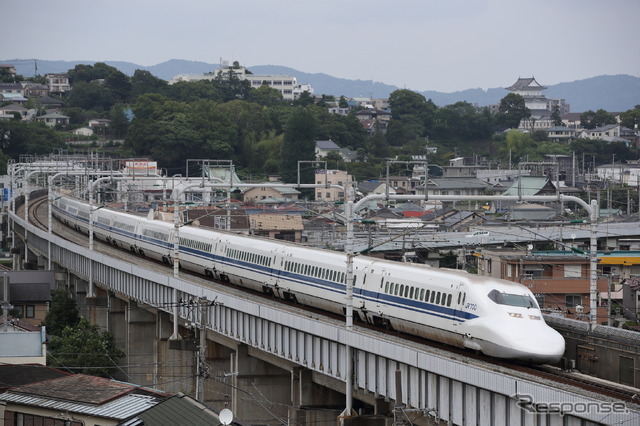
x=515, y=315
x=534, y=317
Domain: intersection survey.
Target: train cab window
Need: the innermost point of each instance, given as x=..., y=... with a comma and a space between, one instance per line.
x=448, y=300
x=520, y=300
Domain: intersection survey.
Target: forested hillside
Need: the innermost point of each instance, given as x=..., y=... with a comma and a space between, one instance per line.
x=262, y=134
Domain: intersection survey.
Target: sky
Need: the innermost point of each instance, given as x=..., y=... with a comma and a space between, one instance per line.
x=441, y=45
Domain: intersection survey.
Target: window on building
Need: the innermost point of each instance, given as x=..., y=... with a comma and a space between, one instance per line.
x=572, y=300
x=30, y=311
x=533, y=270
x=572, y=271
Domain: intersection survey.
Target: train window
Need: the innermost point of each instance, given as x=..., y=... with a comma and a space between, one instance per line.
x=433, y=297
x=448, y=300
x=459, y=296
x=396, y=288
x=286, y=265
x=386, y=287
x=437, y=298
x=520, y=300
x=401, y=289
x=422, y=294
x=411, y=292
x=464, y=297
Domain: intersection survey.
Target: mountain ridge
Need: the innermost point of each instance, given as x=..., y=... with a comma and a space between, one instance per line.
x=613, y=93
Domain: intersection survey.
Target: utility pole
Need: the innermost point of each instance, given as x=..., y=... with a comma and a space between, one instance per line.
x=201, y=352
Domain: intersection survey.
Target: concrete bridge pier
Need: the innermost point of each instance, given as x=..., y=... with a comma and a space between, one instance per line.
x=312, y=403
x=260, y=392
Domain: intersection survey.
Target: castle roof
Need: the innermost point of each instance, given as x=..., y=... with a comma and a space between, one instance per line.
x=526, y=84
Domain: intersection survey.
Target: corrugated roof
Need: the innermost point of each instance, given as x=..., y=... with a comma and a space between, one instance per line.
x=120, y=408
x=530, y=185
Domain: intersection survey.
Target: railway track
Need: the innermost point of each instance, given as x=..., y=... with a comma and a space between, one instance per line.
x=38, y=215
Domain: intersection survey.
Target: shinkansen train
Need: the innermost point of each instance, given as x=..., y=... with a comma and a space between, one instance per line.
x=496, y=317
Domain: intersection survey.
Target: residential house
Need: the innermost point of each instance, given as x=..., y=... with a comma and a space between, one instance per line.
x=34, y=90
x=76, y=400
x=457, y=169
x=99, y=123
x=83, y=131
x=454, y=186
x=561, y=134
x=374, y=120
x=58, y=83
x=402, y=184
x=287, y=227
x=611, y=133
x=53, y=119
x=12, y=92
x=29, y=293
x=11, y=89
x=49, y=103
x=9, y=112
x=278, y=194
x=323, y=148
x=374, y=187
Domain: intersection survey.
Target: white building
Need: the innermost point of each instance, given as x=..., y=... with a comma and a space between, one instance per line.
x=285, y=84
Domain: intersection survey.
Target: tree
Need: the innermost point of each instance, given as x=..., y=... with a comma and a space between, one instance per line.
x=83, y=348
x=592, y=120
x=298, y=144
x=517, y=146
x=265, y=96
x=144, y=82
x=304, y=100
x=91, y=96
x=62, y=313
x=631, y=118
x=412, y=117
x=555, y=116
x=18, y=137
x=512, y=111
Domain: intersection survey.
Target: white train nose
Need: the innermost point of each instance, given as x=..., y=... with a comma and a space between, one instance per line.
x=544, y=346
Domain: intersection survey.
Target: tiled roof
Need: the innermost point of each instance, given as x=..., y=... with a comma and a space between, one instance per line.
x=12, y=375
x=327, y=145
x=526, y=83
x=273, y=222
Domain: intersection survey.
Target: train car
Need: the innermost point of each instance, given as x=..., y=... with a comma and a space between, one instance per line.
x=496, y=317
